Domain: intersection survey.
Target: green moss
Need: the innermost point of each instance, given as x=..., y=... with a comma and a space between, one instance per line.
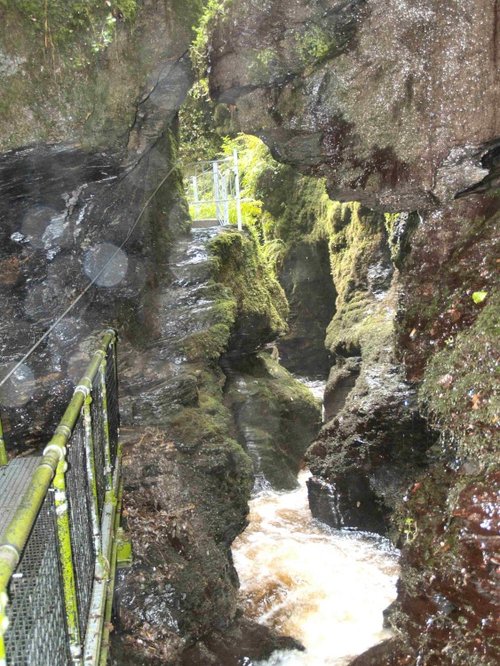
x=61, y=23
x=263, y=64
x=460, y=388
x=400, y=228
x=238, y=266
x=207, y=344
x=198, y=130
x=315, y=44
x=74, y=71
x=295, y=208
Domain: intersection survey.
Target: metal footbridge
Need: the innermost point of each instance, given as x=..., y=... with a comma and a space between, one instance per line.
x=59, y=531
x=213, y=192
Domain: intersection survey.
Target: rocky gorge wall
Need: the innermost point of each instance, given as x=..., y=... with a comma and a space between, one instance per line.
x=89, y=172
x=396, y=105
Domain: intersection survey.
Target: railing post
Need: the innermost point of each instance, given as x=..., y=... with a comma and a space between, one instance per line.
x=216, y=187
x=3, y=451
x=66, y=561
x=91, y=472
x=196, y=195
x=237, y=190
x=224, y=196
x=105, y=423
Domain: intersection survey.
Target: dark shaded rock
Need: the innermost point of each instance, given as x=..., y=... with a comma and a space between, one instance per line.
x=388, y=653
x=276, y=418
x=350, y=502
x=341, y=381
x=369, y=453
x=242, y=643
x=182, y=514
x=305, y=277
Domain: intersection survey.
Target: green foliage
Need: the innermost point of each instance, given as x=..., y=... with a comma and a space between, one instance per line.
x=199, y=56
x=198, y=131
x=59, y=21
x=479, y=296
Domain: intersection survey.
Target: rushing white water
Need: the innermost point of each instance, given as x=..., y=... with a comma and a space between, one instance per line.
x=326, y=588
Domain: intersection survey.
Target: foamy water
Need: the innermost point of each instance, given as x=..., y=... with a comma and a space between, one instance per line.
x=326, y=588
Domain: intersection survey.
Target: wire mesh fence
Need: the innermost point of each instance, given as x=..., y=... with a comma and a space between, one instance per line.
x=81, y=526
x=99, y=441
x=113, y=410
x=43, y=606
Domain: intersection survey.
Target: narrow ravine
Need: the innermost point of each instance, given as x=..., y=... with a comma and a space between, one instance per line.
x=326, y=588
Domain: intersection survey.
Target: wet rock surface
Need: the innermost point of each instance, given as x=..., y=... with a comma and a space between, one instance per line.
x=456, y=598
x=187, y=478
x=379, y=97
x=106, y=78
x=394, y=103
x=374, y=440
x=187, y=481
x=305, y=277
x=63, y=220
x=245, y=641
x=275, y=416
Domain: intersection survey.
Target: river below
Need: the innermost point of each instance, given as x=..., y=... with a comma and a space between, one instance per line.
x=326, y=588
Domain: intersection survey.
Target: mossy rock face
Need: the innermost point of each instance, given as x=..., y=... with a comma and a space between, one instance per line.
x=261, y=304
x=376, y=441
x=76, y=72
x=276, y=418
x=460, y=389
x=187, y=479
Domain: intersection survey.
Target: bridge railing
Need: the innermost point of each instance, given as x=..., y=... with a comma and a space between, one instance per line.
x=57, y=549
x=213, y=190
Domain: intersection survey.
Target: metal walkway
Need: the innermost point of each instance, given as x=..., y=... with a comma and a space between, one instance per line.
x=59, y=516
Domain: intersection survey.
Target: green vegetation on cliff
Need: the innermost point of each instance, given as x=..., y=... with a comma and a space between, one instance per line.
x=460, y=389
x=290, y=208
x=262, y=307
x=75, y=71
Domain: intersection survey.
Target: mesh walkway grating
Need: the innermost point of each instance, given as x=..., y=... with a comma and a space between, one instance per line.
x=14, y=480
x=37, y=631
